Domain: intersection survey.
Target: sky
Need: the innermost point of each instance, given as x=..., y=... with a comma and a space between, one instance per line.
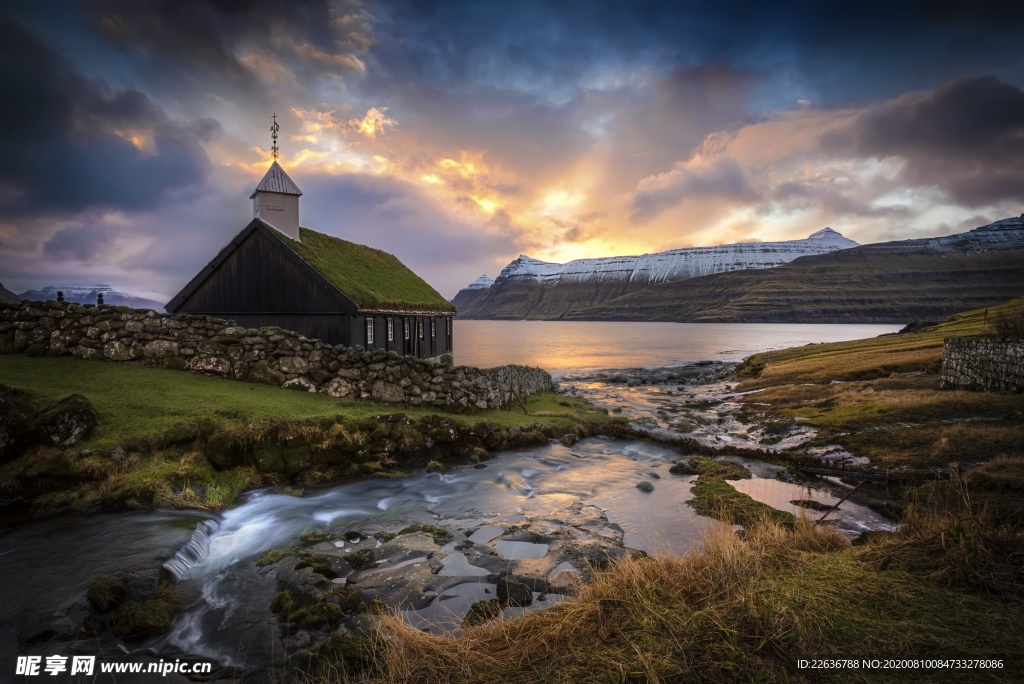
x=458, y=135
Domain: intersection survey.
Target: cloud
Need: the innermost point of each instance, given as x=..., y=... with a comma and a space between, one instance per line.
x=238, y=45
x=74, y=143
x=709, y=173
x=85, y=242
x=965, y=138
x=402, y=219
x=374, y=123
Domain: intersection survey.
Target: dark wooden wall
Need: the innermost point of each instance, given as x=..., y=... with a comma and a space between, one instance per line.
x=260, y=277
x=436, y=344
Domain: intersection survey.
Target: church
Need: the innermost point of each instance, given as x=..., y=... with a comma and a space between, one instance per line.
x=274, y=273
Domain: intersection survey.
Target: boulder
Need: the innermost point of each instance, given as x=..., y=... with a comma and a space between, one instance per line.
x=293, y=365
x=68, y=422
x=387, y=392
x=340, y=388
x=160, y=349
x=217, y=365
x=262, y=373
x=302, y=384
x=512, y=592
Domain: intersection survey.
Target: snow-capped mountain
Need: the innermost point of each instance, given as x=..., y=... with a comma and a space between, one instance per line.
x=481, y=283
x=677, y=263
x=923, y=279
x=86, y=294
x=472, y=292
x=530, y=288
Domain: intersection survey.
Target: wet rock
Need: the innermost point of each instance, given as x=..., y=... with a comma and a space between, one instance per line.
x=685, y=467
x=568, y=440
x=645, y=486
x=69, y=422
x=481, y=612
x=512, y=592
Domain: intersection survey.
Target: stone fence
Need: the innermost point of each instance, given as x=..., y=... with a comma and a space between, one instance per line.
x=268, y=355
x=983, y=363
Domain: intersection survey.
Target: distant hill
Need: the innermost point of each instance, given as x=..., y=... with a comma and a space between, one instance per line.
x=892, y=282
x=529, y=288
x=467, y=296
x=86, y=294
x=8, y=296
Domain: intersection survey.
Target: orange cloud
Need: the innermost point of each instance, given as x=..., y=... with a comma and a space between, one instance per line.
x=374, y=123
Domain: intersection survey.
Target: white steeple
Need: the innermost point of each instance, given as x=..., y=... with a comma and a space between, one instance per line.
x=276, y=198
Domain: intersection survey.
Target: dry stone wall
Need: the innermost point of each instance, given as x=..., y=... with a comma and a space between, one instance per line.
x=268, y=355
x=983, y=363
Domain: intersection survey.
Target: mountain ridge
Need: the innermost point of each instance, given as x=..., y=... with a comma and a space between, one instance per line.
x=531, y=288
x=86, y=294
x=890, y=282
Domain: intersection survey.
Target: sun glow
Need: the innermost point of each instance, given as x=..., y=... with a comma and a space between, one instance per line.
x=142, y=140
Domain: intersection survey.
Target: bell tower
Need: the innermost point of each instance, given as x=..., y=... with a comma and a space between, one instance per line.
x=276, y=198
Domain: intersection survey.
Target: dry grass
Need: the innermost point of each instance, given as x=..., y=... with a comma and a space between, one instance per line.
x=879, y=409
x=748, y=609
x=666, y=618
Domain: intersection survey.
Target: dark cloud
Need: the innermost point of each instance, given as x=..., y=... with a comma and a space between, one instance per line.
x=81, y=242
x=966, y=138
x=838, y=53
x=67, y=144
x=718, y=177
x=237, y=44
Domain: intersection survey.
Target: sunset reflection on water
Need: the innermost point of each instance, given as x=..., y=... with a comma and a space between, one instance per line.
x=558, y=346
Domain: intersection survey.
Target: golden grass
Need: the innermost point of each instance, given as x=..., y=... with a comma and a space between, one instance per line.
x=888, y=405
x=747, y=609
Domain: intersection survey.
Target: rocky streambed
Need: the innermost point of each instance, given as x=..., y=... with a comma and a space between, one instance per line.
x=276, y=583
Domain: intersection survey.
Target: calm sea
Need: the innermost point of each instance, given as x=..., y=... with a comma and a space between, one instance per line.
x=558, y=346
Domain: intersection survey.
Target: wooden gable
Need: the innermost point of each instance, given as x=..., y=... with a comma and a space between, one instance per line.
x=258, y=273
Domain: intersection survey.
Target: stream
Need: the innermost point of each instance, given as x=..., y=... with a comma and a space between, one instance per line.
x=48, y=563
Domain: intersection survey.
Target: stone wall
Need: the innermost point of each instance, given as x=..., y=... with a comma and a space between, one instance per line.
x=983, y=363
x=268, y=355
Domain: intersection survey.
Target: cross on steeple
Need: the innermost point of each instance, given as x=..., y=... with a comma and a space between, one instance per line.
x=273, y=136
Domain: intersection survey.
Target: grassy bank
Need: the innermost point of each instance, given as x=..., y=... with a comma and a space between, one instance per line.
x=174, y=439
x=749, y=609
x=880, y=397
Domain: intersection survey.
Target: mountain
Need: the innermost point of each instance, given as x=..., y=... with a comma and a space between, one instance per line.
x=467, y=296
x=86, y=294
x=891, y=282
x=529, y=288
x=8, y=297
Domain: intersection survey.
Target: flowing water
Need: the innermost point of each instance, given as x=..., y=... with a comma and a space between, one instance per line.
x=48, y=564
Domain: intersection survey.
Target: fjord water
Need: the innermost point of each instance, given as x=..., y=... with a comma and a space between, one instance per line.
x=559, y=346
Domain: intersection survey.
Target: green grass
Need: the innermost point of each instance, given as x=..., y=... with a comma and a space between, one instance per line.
x=185, y=440
x=370, y=277
x=142, y=406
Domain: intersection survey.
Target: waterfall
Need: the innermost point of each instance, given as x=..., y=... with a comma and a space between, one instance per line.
x=195, y=551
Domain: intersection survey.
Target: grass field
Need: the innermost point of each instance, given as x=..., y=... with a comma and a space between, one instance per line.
x=880, y=397
x=136, y=404
x=173, y=429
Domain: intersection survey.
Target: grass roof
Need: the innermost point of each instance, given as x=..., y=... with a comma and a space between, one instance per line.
x=372, y=278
